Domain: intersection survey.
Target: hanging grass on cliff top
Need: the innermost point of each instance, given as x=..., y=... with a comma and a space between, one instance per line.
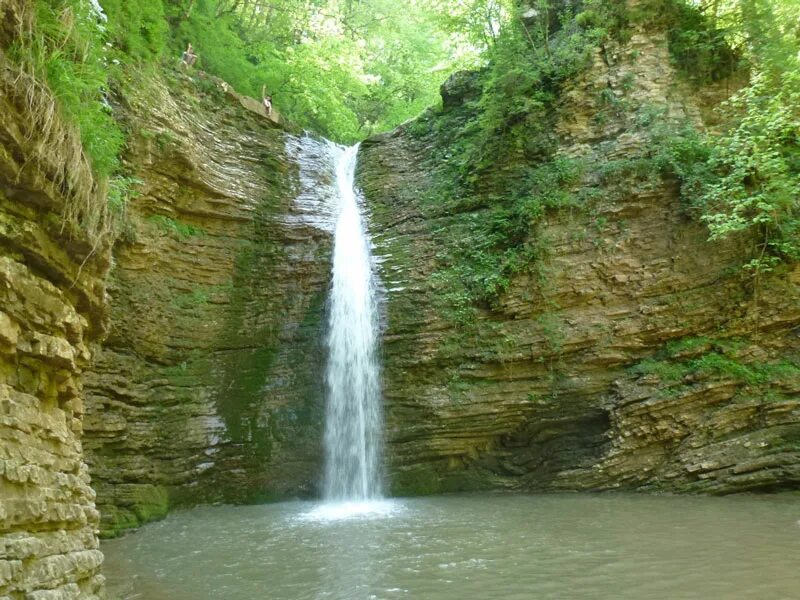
x=68, y=50
x=60, y=77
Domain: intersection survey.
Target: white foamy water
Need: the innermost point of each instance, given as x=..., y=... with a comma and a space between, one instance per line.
x=353, y=409
x=339, y=511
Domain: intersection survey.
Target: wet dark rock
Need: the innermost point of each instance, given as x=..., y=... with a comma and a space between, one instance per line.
x=460, y=87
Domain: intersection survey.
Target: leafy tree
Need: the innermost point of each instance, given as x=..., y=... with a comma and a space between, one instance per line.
x=343, y=68
x=139, y=29
x=756, y=162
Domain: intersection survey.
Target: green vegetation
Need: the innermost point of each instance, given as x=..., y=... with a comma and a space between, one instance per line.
x=340, y=68
x=490, y=215
x=58, y=76
x=700, y=37
x=145, y=503
x=66, y=48
x=201, y=295
x=664, y=370
x=719, y=358
x=193, y=299
x=497, y=173
x=745, y=180
x=758, y=166
x=347, y=70
x=139, y=29
x=177, y=229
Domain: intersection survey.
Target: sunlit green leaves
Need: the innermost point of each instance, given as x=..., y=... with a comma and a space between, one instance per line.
x=758, y=159
x=345, y=69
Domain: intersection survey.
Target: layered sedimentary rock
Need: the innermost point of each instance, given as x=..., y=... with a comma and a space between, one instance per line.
x=208, y=386
x=52, y=306
x=635, y=355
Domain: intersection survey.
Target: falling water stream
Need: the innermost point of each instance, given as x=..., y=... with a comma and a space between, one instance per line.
x=327, y=199
x=353, y=413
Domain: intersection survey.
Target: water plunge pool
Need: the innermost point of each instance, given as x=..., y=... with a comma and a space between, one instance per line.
x=463, y=547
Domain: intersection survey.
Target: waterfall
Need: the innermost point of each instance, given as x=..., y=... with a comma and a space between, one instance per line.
x=353, y=413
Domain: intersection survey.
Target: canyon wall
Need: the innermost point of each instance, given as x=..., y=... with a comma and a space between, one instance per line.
x=182, y=365
x=54, y=256
x=207, y=388
x=631, y=354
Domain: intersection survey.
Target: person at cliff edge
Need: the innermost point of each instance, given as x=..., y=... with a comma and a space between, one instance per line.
x=267, y=100
x=189, y=57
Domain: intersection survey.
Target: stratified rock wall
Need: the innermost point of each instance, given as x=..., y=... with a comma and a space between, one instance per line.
x=552, y=389
x=52, y=306
x=208, y=386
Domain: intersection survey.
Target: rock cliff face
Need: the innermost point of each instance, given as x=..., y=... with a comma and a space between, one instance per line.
x=207, y=388
x=187, y=372
x=52, y=307
x=634, y=355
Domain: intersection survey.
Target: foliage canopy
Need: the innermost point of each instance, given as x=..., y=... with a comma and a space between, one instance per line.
x=350, y=68
x=342, y=68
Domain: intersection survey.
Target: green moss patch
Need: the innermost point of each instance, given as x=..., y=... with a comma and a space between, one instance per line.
x=175, y=228
x=686, y=360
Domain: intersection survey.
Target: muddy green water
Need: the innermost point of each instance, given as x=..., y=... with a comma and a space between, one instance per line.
x=471, y=547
